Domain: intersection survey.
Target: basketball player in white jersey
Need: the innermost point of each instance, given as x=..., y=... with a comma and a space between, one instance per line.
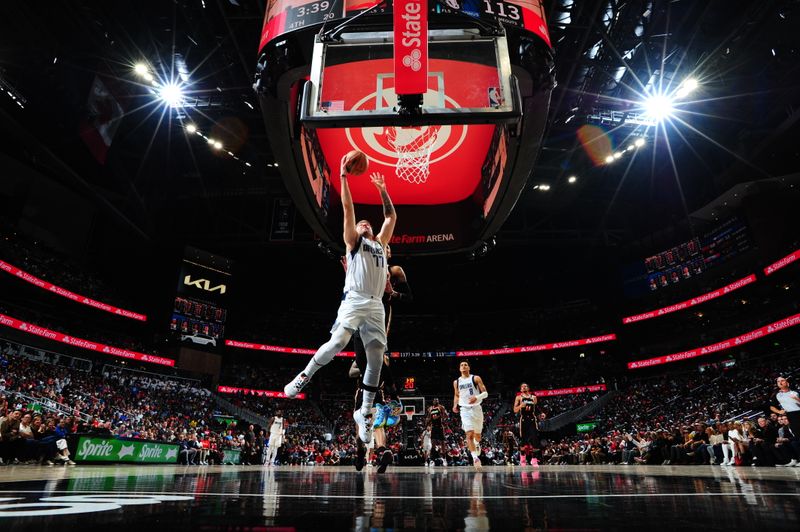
x=426, y=446
x=361, y=308
x=469, y=393
x=276, y=432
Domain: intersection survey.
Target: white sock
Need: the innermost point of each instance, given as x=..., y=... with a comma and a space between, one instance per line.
x=474, y=456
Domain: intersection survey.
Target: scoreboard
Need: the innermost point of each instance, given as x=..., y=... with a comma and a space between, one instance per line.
x=284, y=16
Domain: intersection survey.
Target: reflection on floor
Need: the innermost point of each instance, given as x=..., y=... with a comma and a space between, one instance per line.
x=305, y=498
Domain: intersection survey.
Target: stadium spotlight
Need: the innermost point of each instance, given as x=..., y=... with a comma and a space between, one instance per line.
x=218, y=145
x=140, y=69
x=171, y=94
x=686, y=88
x=658, y=107
x=639, y=142
x=610, y=159
x=571, y=179
x=191, y=128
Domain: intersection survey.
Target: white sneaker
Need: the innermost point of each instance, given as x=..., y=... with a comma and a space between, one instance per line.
x=364, y=423
x=298, y=383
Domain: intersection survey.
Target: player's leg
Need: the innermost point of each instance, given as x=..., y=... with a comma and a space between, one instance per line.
x=339, y=338
x=369, y=386
x=476, y=453
x=385, y=457
x=361, y=447
x=477, y=429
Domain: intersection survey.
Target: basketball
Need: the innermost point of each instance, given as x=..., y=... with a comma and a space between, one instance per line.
x=357, y=162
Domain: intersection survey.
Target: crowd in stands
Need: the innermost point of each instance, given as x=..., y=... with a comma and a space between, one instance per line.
x=720, y=416
x=716, y=416
x=110, y=401
x=46, y=263
x=78, y=328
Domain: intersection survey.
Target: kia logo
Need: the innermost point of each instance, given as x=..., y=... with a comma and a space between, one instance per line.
x=204, y=284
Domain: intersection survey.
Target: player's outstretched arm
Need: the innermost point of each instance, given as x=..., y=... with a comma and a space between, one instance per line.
x=389, y=214
x=350, y=234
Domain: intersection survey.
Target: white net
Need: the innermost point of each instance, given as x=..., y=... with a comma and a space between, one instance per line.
x=413, y=146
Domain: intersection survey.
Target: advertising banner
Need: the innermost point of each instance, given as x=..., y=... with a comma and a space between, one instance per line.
x=281, y=349
x=540, y=347
x=785, y=261
x=259, y=393
x=74, y=341
x=755, y=334
x=63, y=292
x=203, y=282
x=586, y=427
x=283, y=16
x=109, y=450
x=231, y=456
x=571, y=391
x=434, y=354
x=411, y=46
x=744, y=281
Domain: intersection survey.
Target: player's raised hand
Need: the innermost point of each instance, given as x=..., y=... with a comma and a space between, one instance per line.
x=378, y=180
x=343, y=165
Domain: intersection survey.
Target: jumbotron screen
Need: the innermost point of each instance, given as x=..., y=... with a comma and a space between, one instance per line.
x=287, y=15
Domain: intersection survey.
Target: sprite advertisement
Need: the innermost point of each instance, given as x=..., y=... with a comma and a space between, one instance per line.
x=585, y=427
x=107, y=450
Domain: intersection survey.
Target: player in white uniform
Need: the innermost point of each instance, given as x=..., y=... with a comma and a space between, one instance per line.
x=276, y=433
x=469, y=392
x=426, y=445
x=361, y=308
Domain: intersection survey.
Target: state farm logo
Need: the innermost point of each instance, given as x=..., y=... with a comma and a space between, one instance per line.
x=412, y=31
x=412, y=60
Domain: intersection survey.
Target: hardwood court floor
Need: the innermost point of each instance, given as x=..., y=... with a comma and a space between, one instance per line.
x=210, y=498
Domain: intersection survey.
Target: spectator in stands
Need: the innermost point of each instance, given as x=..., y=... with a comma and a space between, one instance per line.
x=187, y=453
x=10, y=443
x=787, y=444
x=736, y=442
x=787, y=402
x=762, y=443
x=714, y=446
x=699, y=438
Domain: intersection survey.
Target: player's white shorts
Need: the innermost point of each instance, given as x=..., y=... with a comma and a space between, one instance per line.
x=426, y=445
x=364, y=314
x=471, y=418
x=275, y=440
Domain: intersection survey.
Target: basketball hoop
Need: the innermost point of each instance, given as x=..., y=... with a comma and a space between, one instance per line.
x=413, y=146
x=410, y=413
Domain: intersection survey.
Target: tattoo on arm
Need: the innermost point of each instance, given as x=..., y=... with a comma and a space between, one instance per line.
x=388, y=208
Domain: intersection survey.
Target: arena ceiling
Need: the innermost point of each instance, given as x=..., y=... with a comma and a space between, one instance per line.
x=738, y=126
